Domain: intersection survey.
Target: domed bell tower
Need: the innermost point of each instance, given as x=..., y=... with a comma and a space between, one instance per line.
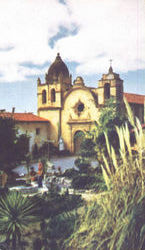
x=58, y=81
x=50, y=95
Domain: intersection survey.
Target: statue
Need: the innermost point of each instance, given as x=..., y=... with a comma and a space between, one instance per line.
x=61, y=144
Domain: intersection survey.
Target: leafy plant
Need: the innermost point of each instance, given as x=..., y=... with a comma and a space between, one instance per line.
x=61, y=226
x=70, y=173
x=16, y=212
x=87, y=148
x=82, y=164
x=53, y=204
x=58, y=218
x=82, y=181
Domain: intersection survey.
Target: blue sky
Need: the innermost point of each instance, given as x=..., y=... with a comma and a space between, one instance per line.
x=87, y=33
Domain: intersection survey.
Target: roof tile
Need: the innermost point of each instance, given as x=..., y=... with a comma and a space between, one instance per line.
x=134, y=98
x=23, y=117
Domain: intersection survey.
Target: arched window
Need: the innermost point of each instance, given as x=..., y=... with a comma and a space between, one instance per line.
x=53, y=97
x=44, y=96
x=107, y=91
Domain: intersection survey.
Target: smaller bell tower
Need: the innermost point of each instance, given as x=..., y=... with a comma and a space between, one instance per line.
x=109, y=86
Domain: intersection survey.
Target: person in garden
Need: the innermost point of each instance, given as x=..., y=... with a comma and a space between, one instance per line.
x=40, y=174
x=33, y=174
x=59, y=170
x=3, y=178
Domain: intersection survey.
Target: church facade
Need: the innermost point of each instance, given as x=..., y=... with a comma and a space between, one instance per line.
x=72, y=108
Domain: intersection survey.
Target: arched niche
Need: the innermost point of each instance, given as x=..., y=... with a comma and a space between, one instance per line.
x=43, y=96
x=53, y=95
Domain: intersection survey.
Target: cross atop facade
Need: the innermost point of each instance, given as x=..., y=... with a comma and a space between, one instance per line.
x=110, y=62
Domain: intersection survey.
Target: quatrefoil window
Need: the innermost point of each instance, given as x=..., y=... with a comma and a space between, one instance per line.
x=79, y=108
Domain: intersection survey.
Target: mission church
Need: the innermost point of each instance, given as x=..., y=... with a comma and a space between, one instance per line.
x=66, y=109
x=72, y=108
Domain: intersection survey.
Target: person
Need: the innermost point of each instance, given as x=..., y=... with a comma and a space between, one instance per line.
x=59, y=170
x=4, y=179
x=40, y=174
x=33, y=174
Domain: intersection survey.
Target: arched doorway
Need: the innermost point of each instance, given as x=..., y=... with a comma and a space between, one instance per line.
x=78, y=138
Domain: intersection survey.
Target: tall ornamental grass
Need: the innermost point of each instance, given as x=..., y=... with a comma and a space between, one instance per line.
x=117, y=221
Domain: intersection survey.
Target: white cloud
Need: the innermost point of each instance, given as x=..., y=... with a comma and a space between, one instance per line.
x=106, y=29
x=27, y=26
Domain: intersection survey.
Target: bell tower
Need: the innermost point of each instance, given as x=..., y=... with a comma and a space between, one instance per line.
x=109, y=86
x=50, y=95
x=58, y=81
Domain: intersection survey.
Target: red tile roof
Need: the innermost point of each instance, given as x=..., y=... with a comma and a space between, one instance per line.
x=23, y=117
x=134, y=98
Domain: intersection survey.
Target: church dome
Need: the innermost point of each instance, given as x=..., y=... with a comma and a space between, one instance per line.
x=57, y=68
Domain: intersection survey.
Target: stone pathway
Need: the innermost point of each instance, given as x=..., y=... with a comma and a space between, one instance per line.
x=63, y=162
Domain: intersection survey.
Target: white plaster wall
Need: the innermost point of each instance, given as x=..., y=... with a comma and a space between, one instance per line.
x=29, y=128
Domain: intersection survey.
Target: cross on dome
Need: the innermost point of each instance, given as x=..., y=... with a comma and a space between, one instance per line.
x=110, y=68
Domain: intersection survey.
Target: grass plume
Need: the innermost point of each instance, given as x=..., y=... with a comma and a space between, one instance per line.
x=117, y=221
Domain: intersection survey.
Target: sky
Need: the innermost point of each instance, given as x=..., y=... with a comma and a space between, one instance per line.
x=86, y=33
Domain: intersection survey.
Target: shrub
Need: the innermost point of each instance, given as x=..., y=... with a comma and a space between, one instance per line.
x=22, y=147
x=82, y=164
x=13, y=147
x=37, y=244
x=43, y=150
x=87, y=148
x=53, y=204
x=88, y=177
x=83, y=181
x=61, y=226
x=58, y=218
x=35, y=152
x=53, y=150
x=70, y=173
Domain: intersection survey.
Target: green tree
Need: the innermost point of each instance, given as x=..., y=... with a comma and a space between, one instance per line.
x=22, y=147
x=35, y=152
x=16, y=212
x=7, y=142
x=13, y=147
x=112, y=115
x=94, y=144
x=87, y=148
